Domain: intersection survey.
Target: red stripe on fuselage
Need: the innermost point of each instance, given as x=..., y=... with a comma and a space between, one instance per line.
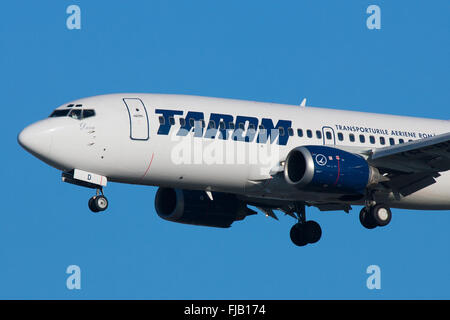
x=148, y=168
x=339, y=172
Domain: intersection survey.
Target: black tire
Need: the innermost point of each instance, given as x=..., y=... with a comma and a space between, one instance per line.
x=381, y=214
x=366, y=219
x=92, y=206
x=313, y=232
x=100, y=203
x=298, y=235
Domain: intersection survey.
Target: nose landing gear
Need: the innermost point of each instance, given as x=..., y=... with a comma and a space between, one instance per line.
x=304, y=232
x=98, y=202
x=91, y=180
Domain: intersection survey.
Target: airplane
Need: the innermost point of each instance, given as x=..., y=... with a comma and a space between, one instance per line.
x=214, y=158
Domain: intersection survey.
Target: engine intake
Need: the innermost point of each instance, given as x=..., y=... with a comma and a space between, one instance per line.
x=328, y=169
x=196, y=208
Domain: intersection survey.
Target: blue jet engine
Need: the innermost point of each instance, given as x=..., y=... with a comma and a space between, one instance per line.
x=330, y=170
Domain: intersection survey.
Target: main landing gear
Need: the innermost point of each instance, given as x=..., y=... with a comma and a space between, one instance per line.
x=378, y=215
x=98, y=202
x=304, y=232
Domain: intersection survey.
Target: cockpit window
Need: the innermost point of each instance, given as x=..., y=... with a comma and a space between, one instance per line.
x=88, y=113
x=59, y=113
x=77, y=114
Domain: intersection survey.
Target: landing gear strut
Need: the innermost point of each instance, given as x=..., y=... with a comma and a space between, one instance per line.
x=304, y=232
x=378, y=215
x=98, y=202
x=91, y=180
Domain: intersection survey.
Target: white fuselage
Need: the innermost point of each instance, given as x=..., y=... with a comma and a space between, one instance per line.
x=130, y=140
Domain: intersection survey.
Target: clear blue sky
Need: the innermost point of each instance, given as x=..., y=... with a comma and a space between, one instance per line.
x=280, y=51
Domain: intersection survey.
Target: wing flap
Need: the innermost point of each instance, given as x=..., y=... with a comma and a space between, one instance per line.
x=406, y=184
x=426, y=155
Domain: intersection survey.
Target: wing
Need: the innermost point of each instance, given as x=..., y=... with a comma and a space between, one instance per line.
x=414, y=165
x=406, y=168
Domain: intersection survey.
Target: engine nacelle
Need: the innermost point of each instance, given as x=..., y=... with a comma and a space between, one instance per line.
x=327, y=169
x=195, y=207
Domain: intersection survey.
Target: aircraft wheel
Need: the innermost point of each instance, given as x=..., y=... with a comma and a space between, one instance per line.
x=298, y=235
x=91, y=205
x=98, y=203
x=313, y=232
x=366, y=219
x=381, y=214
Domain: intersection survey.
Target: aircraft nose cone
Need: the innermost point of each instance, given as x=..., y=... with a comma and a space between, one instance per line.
x=36, y=139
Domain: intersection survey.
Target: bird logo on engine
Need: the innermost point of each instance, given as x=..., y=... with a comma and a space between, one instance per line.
x=321, y=160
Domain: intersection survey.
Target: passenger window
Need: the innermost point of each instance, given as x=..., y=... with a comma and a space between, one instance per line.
x=191, y=122
x=309, y=133
x=231, y=125
x=391, y=141
x=161, y=120
x=281, y=131
x=328, y=134
x=172, y=120
x=241, y=126
x=182, y=122
x=382, y=141
x=212, y=124
x=401, y=141
x=340, y=136
x=300, y=132
x=290, y=132
x=372, y=139
x=362, y=138
x=318, y=134
x=352, y=137
x=251, y=126
x=221, y=125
